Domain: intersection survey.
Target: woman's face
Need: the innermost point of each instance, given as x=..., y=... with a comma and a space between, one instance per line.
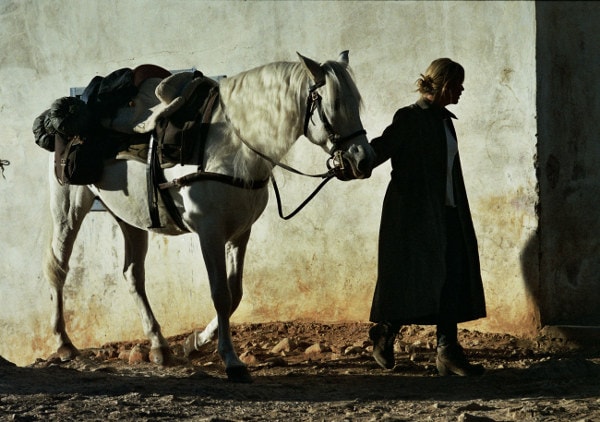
x=452, y=93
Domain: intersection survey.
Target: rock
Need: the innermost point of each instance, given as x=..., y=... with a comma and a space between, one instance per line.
x=314, y=349
x=124, y=355
x=249, y=358
x=139, y=354
x=284, y=345
x=353, y=350
x=109, y=353
x=467, y=417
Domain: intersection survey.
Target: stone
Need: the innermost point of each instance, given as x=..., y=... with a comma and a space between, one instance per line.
x=284, y=345
x=138, y=354
x=315, y=348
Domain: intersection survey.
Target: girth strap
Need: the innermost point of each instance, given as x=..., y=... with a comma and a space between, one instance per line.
x=188, y=179
x=152, y=168
x=155, y=176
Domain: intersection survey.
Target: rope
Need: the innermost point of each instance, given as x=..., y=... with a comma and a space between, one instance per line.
x=4, y=163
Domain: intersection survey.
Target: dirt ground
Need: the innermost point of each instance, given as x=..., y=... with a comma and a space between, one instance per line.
x=305, y=371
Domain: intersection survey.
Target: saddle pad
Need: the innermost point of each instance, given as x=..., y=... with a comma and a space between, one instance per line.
x=137, y=152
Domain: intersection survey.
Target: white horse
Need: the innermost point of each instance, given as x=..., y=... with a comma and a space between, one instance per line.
x=261, y=113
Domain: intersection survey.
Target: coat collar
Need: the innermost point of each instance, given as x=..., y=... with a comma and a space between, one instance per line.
x=441, y=112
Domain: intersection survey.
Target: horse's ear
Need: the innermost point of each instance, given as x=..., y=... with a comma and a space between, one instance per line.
x=313, y=68
x=344, y=57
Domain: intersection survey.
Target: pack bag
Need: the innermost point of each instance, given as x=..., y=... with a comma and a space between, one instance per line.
x=77, y=161
x=105, y=95
x=43, y=131
x=78, y=156
x=70, y=116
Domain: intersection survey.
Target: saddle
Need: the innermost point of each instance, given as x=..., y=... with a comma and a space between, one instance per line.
x=146, y=114
x=179, y=117
x=176, y=116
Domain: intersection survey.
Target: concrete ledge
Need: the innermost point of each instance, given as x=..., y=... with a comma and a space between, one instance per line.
x=581, y=334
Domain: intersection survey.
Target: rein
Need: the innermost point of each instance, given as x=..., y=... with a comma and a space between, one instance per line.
x=262, y=155
x=327, y=176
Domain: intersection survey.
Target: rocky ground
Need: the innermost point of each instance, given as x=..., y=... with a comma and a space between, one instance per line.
x=305, y=371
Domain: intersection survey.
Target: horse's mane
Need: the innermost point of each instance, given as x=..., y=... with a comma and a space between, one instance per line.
x=266, y=106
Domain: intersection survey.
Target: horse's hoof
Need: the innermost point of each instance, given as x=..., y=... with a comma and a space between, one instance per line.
x=238, y=374
x=67, y=352
x=161, y=355
x=192, y=347
x=189, y=346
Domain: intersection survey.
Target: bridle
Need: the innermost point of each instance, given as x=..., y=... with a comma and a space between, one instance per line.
x=313, y=102
x=335, y=163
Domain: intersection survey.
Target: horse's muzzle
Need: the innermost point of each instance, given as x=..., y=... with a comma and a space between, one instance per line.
x=359, y=161
x=344, y=166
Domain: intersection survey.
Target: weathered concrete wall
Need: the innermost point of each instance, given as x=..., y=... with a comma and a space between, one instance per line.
x=568, y=61
x=319, y=265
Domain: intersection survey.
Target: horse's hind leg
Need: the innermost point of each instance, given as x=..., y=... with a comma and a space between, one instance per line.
x=197, y=340
x=69, y=205
x=136, y=247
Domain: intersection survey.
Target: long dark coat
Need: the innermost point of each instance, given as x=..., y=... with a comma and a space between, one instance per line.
x=412, y=237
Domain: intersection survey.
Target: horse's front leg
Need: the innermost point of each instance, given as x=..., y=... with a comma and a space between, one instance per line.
x=213, y=251
x=236, y=252
x=136, y=247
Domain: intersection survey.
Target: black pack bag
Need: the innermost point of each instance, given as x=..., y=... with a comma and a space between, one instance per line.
x=69, y=116
x=77, y=161
x=78, y=151
x=105, y=95
x=43, y=131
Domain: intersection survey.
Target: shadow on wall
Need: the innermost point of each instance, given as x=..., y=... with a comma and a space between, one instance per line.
x=530, y=268
x=566, y=283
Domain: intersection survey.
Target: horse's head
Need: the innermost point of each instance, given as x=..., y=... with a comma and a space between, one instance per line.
x=333, y=117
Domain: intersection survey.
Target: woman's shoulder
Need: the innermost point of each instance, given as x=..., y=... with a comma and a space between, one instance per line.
x=406, y=113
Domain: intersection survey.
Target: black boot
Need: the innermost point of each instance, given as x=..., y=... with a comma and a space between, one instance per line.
x=383, y=337
x=451, y=359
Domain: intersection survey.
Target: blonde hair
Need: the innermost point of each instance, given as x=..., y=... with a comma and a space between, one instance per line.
x=439, y=76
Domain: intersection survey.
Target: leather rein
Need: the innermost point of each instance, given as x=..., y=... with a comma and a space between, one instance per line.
x=335, y=162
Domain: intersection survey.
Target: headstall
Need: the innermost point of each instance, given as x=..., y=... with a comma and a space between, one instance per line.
x=313, y=102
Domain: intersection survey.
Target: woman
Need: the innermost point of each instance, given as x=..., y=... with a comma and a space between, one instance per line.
x=428, y=265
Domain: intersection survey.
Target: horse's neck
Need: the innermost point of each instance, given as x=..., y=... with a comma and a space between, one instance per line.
x=262, y=113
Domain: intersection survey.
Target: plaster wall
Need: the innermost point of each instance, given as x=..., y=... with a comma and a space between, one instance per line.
x=568, y=61
x=321, y=264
